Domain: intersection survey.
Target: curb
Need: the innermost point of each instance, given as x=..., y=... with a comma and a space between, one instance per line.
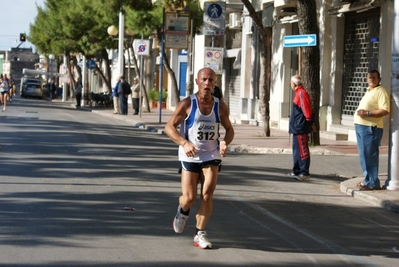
x=378, y=198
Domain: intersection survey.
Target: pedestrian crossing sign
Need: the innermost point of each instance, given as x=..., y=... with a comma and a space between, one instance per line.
x=214, y=18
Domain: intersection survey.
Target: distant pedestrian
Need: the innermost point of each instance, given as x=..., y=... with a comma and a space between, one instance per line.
x=217, y=92
x=369, y=124
x=12, y=86
x=4, y=87
x=300, y=125
x=115, y=98
x=78, y=93
x=136, y=96
x=124, y=91
x=51, y=89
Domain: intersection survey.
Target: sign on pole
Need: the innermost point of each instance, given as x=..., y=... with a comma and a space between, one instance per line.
x=214, y=18
x=214, y=59
x=300, y=40
x=91, y=64
x=141, y=47
x=177, y=29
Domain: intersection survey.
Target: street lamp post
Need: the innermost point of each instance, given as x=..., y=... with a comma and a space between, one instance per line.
x=113, y=31
x=120, y=41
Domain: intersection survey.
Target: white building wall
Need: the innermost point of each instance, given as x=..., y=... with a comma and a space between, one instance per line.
x=281, y=92
x=247, y=69
x=332, y=109
x=324, y=22
x=199, y=59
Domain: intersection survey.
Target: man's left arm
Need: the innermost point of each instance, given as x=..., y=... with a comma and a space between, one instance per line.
x=229, y=135
x=305, y=105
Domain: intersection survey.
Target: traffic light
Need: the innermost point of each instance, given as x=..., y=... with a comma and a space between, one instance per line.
x=22, y=37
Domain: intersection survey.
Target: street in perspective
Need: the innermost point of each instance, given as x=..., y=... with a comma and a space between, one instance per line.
x=82, y=189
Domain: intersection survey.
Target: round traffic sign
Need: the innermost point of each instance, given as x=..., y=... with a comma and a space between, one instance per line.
x=91, y=64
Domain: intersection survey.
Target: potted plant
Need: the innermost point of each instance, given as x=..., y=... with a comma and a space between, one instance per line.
x=153, y=96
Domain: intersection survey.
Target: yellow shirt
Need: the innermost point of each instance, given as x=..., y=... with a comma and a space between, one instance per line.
x=373, y=99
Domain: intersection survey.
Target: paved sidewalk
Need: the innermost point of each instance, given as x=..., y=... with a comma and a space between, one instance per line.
x=249, y=139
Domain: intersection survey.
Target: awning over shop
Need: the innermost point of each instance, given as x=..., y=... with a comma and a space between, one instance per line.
x=354, y=6
x=234, y=53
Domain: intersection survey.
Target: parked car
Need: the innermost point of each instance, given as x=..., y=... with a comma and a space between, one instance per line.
x=33, y=89
x=25, y=81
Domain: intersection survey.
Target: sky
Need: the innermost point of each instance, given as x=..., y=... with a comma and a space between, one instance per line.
x=15, y=19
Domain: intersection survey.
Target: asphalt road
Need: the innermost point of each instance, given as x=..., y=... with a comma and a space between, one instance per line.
x=80, y=190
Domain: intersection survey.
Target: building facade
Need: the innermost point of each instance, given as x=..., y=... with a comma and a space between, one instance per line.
x=17, y=59
x=354, y=37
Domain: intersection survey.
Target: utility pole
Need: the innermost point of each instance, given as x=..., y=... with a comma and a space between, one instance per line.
x=393, y=176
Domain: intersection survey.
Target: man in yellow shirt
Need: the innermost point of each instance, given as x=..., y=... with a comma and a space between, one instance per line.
x=369, y=124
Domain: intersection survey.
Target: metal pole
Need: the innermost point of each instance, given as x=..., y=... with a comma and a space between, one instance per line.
x=121, y=36
x=189, y=82
x=141, y=80
x=64, y=84
x=161, y=66
x=393, y=177
x=47, y=73
x=84, y=79
x=51, y=76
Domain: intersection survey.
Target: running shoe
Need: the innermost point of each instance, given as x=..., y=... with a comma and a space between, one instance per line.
x=292, y=175
x=201, y=240
x=179, y=222
x=303, y=178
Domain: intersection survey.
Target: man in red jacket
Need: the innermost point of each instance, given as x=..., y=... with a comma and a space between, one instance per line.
x=300, y=126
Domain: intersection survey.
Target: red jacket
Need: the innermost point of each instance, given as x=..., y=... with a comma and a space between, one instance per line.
x=301, y=112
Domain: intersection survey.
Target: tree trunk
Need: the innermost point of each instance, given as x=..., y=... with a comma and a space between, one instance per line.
x=172, y=77
x=266, y=67
x=307, y=23
x=107, y=76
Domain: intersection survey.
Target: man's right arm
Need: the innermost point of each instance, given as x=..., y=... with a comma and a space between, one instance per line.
x=177, y=118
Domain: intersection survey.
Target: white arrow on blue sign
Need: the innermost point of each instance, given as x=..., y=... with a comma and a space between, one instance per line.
x=300, y=40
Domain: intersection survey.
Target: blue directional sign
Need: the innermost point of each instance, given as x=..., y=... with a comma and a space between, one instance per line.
x=300, y=40
x=91, y=64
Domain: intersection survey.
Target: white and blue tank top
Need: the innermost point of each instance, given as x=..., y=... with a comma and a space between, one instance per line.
x=202, y=131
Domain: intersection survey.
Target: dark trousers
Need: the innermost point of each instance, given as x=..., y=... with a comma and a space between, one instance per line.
x=136, y=104
x=123, y=102
x=301, y=154
x=78, y=99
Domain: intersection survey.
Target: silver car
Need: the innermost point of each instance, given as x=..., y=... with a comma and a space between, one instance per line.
x=32, y=89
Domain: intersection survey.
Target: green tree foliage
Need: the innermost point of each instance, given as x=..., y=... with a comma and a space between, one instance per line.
x=80, y=26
